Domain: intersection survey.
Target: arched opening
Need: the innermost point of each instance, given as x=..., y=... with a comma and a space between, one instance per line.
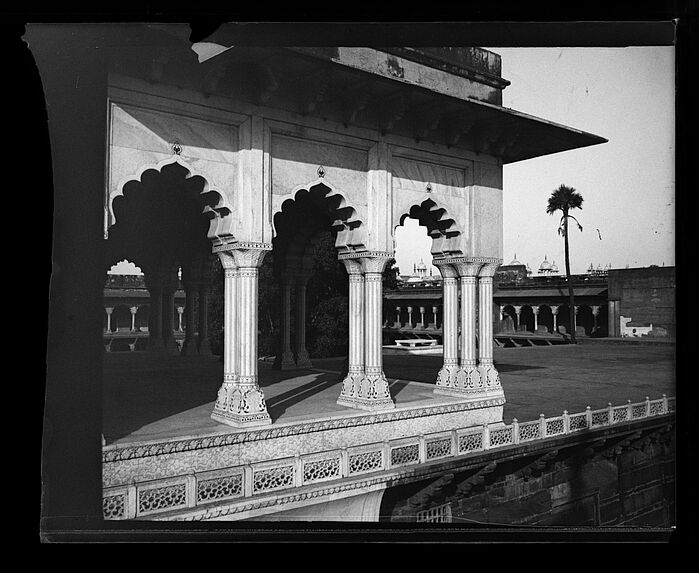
x=526, y=319
x=563, y=319
x=413, y=304
x=584, y=320
x=508, y=323
x=602, y=329
x=304, y=309
x=162, y=223
x=545, y=319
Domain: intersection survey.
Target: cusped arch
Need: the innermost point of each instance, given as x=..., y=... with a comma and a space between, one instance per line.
x=214, y=204
x=441, y=227
x=330, y=204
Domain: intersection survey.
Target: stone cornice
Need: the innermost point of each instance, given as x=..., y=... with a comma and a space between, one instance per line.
x=235, y=245
x=117, y=453
x=365, y=254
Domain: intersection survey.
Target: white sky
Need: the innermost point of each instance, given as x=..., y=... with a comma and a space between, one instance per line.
x=623, y=94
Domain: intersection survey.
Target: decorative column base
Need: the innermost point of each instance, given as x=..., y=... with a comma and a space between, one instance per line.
x=490, y=379
x=189, y=347
x=171, y=346
x=350, y=386
x=303, y=360
x=370, y=392
x=446, y=377
x=287, y=361
x=240, y=406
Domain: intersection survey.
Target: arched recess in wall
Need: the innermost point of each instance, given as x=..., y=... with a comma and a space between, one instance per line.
x=166, y=212
x=441, y=227
x=313, y=209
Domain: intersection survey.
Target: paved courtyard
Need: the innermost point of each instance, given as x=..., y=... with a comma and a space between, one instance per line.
x=147, y=396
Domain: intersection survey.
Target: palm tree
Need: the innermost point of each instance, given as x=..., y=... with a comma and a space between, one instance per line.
x=564, y=199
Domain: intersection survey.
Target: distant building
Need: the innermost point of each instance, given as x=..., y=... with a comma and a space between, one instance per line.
x=608, y=302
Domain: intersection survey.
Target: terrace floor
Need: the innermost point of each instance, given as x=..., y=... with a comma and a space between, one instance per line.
x=148, y=396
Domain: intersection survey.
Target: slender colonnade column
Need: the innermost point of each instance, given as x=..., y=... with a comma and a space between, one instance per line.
x=155, y=323
x=373, y=389
x=204, y=346
x=168, y=312
x=554, y=312
x=230, y=337
x=244, y=403
x=355, y=370
x=287, y=359
x=446, y=378
x=468, y=378
x=189, y=347
x=302, y=358
x=180, y=310
x=133, y=310
x=368, y=382
x=535, y=310
x=489, y=375
x=109, y=310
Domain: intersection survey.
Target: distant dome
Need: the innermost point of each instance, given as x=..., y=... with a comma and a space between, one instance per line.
x=554, y=268
x=545, y=265
x=421, y=266
x=514, y=262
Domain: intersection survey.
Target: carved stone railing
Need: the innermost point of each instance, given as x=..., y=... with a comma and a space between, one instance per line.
x=198, y=490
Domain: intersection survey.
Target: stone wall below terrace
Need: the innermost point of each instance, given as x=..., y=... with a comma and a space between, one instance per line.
x=623, y=485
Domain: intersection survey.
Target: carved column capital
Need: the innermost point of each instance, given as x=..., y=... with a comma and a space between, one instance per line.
x=489, y=267
x=446, y=269
x=251, y=257
x=535, y=309
x=109, y=309
x=227, y=259
x=353, y=266
x=467, y=268
x=133, y=309
x=554, y=310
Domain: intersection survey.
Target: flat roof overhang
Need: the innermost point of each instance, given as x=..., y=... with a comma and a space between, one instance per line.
x=439, y=102
x=358, y=92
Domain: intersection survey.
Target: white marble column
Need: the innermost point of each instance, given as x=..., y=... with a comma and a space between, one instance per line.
x=398, y=323
x=554, y=312
x=518, y=312
x=372, y=392
x=168, y=318
x=190, y=328
x=302, y=358
x=446, y=378
x=241, y=402
x=180, y=311
x=422, y=317
x=489, y=375
x=155, y=323
x=595, y=314
x=230, y=337
x=133, y=310
x=203, y=303
x=535, y=310
x=287, y=361
x=435, y=310
x=109, y=310
x=468, y=379
x=355, y=370
x=410, y=317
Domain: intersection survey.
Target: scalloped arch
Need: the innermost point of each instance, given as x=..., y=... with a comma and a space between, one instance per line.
x=445, y=232
x=219, y=221
x=344, y=220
